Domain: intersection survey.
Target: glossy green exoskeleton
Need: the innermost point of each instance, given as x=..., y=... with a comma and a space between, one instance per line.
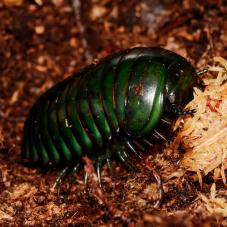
x=107, y=108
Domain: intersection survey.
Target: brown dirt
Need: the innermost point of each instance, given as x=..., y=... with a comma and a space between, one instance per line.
x=43, y=44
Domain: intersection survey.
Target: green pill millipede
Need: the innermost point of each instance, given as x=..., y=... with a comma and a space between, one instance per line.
x=108, y=108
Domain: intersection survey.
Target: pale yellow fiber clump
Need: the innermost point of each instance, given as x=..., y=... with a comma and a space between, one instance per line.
x=204, y=135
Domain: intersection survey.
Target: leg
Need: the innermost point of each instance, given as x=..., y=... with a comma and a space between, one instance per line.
x=138, y=145
x=123, y=155
x=74, y=170
x=147, y=142
x=166, y=121
x=159, y=135
x=109, y=165
x=108, y=161
x=131, y=147
x=119, y=147
x=61, y=176
x=99, y=170
x=68, y=169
